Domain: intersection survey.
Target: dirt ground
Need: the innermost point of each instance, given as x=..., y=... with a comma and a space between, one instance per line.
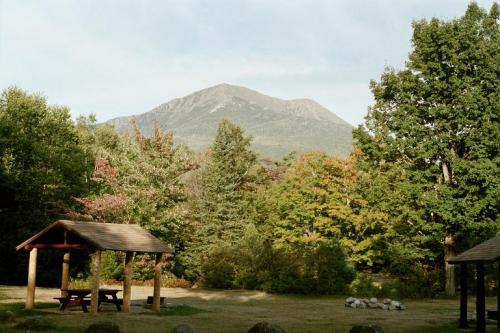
x=235, y=311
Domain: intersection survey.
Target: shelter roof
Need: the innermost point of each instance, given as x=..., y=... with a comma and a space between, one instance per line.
x=486, y=251
x=100, y=236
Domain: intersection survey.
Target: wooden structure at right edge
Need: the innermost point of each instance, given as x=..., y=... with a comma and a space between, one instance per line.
x=484, y=253
x=94, y=238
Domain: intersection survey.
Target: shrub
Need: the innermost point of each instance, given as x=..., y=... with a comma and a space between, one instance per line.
x=362, y=286
x=218, y=267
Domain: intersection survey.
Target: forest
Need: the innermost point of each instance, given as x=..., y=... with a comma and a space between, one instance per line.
x=420, y=185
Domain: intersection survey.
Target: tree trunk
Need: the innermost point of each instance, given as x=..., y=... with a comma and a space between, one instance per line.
x=449, y=252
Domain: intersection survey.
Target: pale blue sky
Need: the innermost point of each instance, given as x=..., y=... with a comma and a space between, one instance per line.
x=116, y=58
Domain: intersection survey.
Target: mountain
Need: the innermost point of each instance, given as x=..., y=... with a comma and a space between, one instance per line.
x=277, y=126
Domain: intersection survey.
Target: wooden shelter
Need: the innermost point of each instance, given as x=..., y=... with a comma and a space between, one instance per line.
x=95, y=237
x=484, y=253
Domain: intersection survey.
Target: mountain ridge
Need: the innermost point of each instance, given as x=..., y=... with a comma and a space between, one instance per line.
x=278, y=126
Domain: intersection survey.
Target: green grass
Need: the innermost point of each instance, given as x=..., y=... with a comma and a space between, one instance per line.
x=54, y=330
x=181, y=310
x=21, y=313
x=19, y=310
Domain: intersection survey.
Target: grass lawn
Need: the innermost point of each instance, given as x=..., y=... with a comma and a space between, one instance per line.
x=235, y=311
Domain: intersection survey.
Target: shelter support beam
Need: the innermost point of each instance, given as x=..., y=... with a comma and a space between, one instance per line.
x=157, y=282
x=480, y=300
x=463, y=295
x=96, y=270
x=65, y=274
x=127, y=280
x=498, y=298
x=30, y=296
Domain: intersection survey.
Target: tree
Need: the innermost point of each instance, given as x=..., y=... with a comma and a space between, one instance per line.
x=41, y=165
x=317, y=202
x=437, y=120
x=226, y=174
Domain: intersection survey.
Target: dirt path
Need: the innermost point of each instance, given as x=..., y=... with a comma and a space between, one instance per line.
x=236, y=311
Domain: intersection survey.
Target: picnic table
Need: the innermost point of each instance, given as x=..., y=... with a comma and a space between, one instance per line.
x=81, y=297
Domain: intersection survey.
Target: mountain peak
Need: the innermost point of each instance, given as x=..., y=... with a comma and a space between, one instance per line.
x=277, y=125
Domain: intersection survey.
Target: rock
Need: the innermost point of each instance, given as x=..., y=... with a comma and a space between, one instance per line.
x=103, y=326
x=366, y=300
x=349, y=300
x=401, y=307
x=387, y=301
x=184, y=328
x=392, y=307
x=373, y=300
x=382, y=306
x=395, y=303
x=265, y=327
x=37, y=323
x=362, y=305
x=7, y=317
x=366, y=329
x=353, y=305
x=373, y=305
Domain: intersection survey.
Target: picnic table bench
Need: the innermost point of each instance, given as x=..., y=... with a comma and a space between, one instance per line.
x=81, y=297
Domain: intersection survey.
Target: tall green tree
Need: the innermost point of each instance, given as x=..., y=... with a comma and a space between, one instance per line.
x=226, y=174
x=41, y=165
x=437, y=120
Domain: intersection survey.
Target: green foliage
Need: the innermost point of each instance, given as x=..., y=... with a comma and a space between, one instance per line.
x=430, y=141
x=41, y=166
x=226, y=174
x=254, y=263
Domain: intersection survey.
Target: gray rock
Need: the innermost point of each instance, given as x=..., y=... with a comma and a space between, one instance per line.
x=362, y=305
x=387, y=301
x=373, y=300
x=392, y=307
x=37, y=323
x=401, y=307
x=366, y=329
x=184, y=328
x=395, y=303
x=353, y=305
x=103, y=326
x=7, y=317
x=373, y=305
x=350, y=300
x=382, y=306
x=265, y=327
x=366, y=300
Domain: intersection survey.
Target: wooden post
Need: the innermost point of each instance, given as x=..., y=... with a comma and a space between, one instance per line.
x=96, y=270
x=480, y=306
x=30, y=296
x=127, y=280
x=463, y=295
x=65, y=274
x=498, y=298
x=157, y=282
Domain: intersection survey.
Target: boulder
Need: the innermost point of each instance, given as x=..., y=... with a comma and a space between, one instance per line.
x=372, y=305
x=366, y=329
x=103, y=326
x=401, y=307
x=382, y=306
x=387, y=301
x=37, y=323
x=265, y=327
x=373, y=300
x=395, y=303
x=184, y=328
x=7, y=317
x=349, y=300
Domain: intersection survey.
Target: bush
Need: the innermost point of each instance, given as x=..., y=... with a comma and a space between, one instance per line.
x=218, y=267
x=327, y=271
x=362, y=286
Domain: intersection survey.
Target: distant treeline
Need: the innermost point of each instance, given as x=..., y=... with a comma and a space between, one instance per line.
x=421, y=184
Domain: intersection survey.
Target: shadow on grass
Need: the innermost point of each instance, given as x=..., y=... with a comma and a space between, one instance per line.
x=181, y=310
x=21, y=313
x=19, y=310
